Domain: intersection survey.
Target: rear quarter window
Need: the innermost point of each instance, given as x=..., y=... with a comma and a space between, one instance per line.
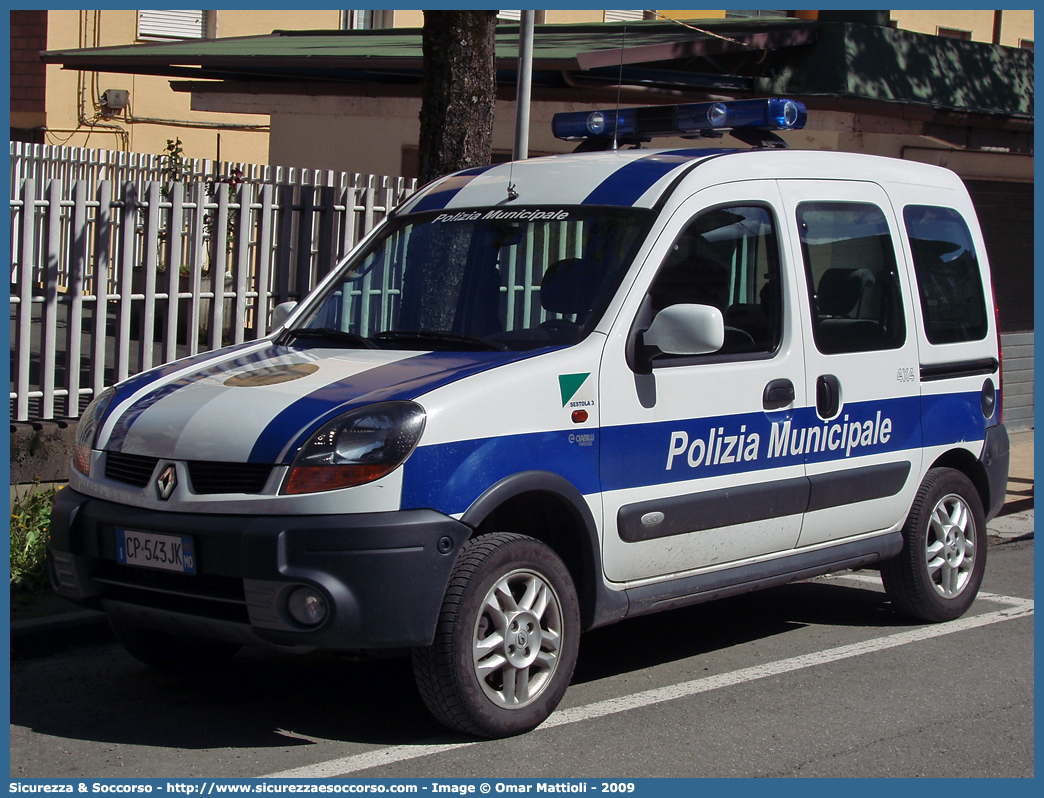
x=948, y=278
x=852, y=278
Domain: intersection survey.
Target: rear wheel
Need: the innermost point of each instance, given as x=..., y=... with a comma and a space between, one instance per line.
x=937, y=574
x=170, y=651
x=506, y=641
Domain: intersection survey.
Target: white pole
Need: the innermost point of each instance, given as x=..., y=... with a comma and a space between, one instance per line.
x=525, y=80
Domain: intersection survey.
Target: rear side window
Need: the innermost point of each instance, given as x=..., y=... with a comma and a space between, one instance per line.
x=948, y=280
x=852, y=279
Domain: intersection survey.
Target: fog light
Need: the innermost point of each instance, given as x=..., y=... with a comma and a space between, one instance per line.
x=307, y=606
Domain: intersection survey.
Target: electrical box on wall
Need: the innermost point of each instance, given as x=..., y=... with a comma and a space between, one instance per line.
x=115, y=99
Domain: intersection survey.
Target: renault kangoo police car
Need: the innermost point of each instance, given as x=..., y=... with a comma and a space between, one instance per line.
x=548, y=395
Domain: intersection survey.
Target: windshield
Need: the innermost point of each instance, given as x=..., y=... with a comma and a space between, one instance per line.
x=480, y=279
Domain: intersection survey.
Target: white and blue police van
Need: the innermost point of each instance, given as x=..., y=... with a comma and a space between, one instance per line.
x=548, y=395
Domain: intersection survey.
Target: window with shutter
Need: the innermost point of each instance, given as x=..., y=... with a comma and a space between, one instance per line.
x=619, y=15
x=172, y=24
x=367, y=20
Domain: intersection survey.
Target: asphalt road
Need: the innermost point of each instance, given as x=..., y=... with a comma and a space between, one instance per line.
x=819, y=678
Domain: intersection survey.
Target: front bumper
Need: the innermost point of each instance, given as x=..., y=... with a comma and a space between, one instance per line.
x=384, y=574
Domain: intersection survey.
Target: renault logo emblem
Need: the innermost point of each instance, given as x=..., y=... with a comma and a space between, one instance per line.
x=168, y=480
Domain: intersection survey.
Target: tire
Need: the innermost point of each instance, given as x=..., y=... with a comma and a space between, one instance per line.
x=937, y=574
x=172, y=652
x=506, y=641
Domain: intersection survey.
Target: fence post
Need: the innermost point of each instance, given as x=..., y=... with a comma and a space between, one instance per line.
x=196, y=265
x=102, y=262
x=263, y=261
x=324, y=261
x=125, y=286
x=218, y=259
x=77, y=275
x=304, y=241
x=25, y=296
x=49, y=317
x=150, y=244
x=241, y=262
x=175, y=223
x=368, y=196
x=286, y=240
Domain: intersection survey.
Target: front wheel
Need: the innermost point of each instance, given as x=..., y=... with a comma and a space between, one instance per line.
x=506, y=641
x=938, y=572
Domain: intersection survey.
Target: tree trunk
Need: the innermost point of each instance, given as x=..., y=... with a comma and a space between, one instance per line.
x=459, y=93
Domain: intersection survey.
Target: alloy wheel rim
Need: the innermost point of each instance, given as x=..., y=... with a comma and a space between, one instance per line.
x=517, y=638
x=950, y=546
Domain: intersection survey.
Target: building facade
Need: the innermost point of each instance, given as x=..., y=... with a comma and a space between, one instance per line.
x=140, y=112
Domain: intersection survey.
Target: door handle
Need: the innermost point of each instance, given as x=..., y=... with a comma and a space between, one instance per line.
x=828, y=396
x=778, y=393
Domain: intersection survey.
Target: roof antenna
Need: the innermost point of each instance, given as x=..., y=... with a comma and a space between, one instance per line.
x=619, y=87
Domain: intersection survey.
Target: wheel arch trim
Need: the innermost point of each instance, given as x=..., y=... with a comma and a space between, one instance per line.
x=599, y=605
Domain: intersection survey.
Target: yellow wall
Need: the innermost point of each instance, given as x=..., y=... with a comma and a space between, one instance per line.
x=692, y=14
x=1015, y=25
x=408, y=19
x=561, y=17
x=73, y=97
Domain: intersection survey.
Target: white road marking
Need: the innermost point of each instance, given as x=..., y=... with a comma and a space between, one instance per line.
x=1015, y=608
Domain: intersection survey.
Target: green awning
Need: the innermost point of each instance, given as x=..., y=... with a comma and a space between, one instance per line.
x=793, y=57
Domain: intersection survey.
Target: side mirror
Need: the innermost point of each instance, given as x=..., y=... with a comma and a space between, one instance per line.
x=280, y=313
x=681, y=330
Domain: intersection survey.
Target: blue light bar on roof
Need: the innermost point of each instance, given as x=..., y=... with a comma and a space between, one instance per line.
x=681, y=120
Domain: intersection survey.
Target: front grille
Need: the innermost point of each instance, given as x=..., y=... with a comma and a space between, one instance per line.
x=207, y=477
x=210, y=477
x=134, y=469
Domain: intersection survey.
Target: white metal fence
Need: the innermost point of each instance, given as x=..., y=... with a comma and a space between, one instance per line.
x=114, y=271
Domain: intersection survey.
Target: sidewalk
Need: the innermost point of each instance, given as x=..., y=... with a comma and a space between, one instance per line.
x=1015, y=519
x=50, y=615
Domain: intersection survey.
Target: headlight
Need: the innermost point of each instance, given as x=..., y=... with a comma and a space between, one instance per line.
x=357, y=448
x=87, y=430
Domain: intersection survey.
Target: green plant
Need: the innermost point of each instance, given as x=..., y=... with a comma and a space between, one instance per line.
x=30, y=526
x=175, y=165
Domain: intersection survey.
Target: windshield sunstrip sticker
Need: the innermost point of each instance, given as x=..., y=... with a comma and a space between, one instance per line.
x=500, y=215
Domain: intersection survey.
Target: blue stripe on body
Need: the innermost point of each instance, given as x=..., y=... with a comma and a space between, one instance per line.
x=139, y=381
x=403, y=379
x=952, y=418
x=135, y=383
x=131, y=414
x=439, y=196
x=449, y=477
x=638, y=455
x=626, y=185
